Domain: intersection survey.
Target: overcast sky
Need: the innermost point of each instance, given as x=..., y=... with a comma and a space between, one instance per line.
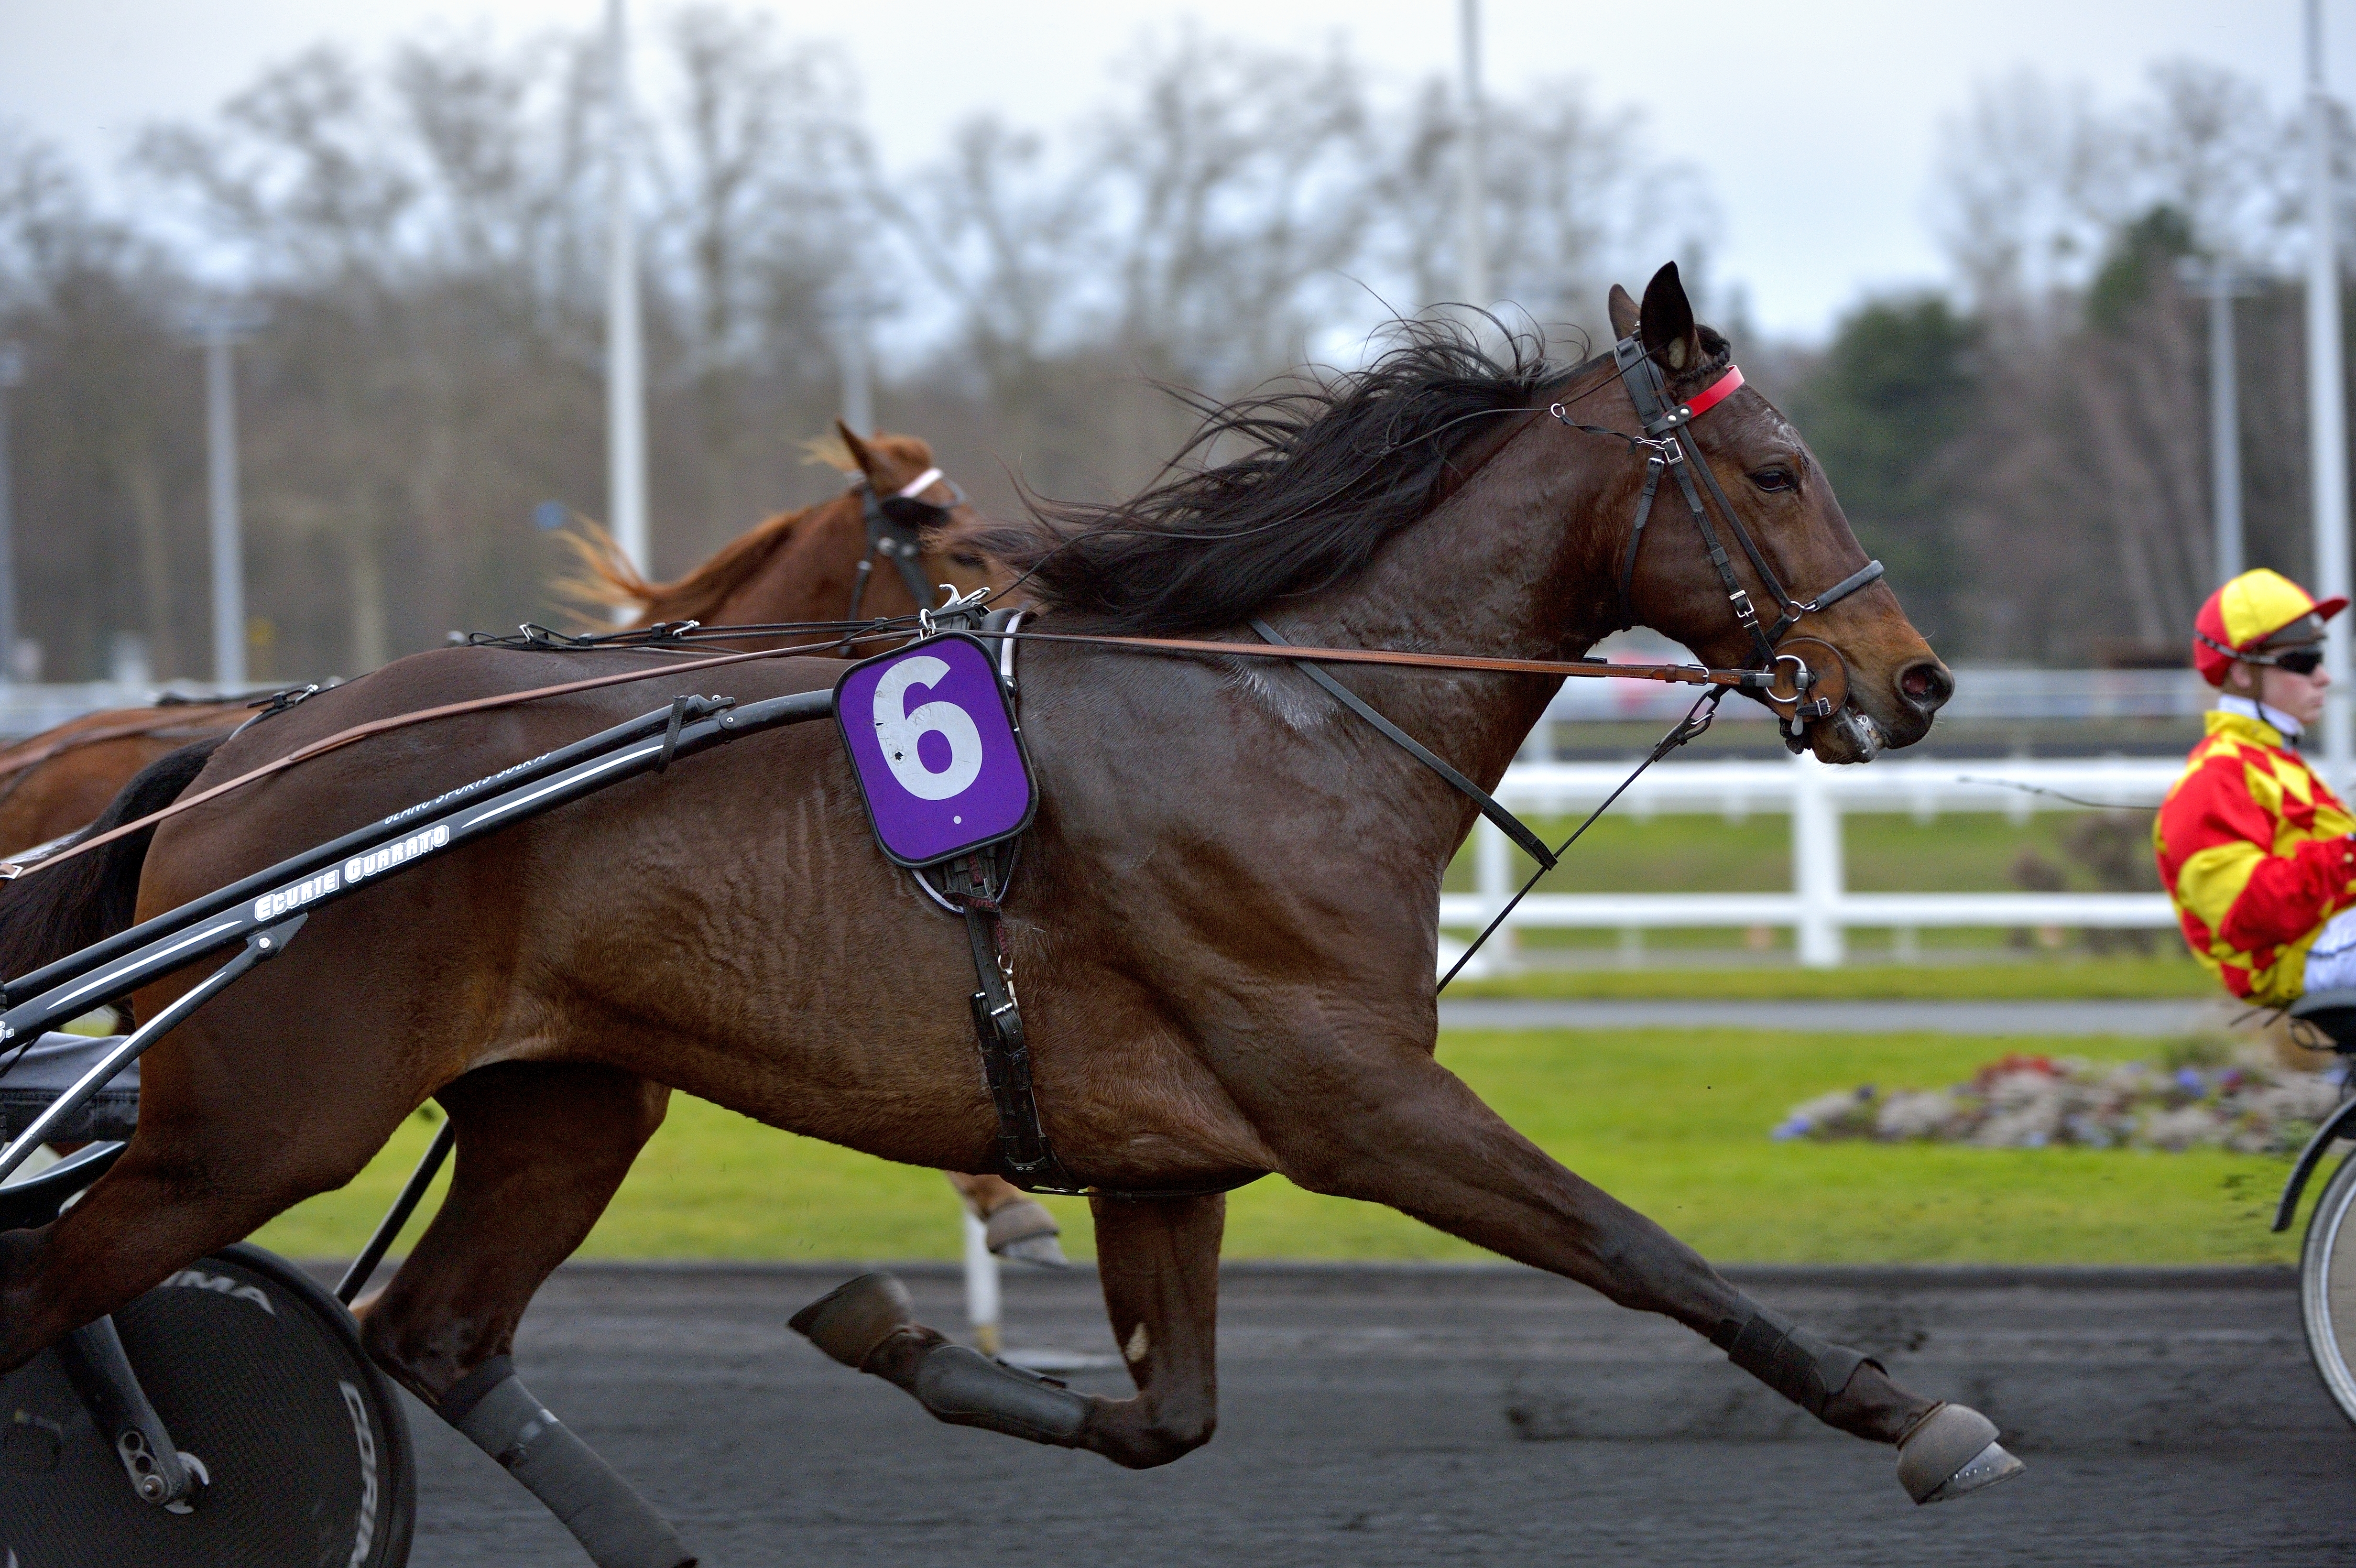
x=1814, y=122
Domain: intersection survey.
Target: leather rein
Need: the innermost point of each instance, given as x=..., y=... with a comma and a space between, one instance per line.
x=1783, y=679
x=1771, y=684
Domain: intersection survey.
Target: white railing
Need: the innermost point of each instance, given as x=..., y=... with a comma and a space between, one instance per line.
x=1819, y=909
x=30, y=709
x=1982, y=691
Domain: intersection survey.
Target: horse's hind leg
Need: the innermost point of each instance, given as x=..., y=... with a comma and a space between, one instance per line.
x=1160, y=1263
x=540, y=1150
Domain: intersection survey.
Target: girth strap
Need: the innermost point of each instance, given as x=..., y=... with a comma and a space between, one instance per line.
x=1024, y=1155
x=1510, y=825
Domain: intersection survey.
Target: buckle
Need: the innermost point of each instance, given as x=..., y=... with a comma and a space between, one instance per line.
x=1744, y=611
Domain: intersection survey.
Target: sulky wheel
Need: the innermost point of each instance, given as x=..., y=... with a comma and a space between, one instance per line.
x=2327, y=1286
x=258, y=1374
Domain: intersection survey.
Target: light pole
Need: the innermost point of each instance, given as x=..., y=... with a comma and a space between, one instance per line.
x=12, y=372
x=1472, y=239
x=2326, y=419
x=219, y=332
x=626, y=401
x=2216, y=281
x=852, y=345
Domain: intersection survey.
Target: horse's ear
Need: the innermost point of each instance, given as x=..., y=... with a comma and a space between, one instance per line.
x=861, y=452
x=1623, y=306
x=1667, y=322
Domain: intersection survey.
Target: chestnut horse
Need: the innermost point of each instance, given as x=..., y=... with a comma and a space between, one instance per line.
x=55, y=783
x=808, y=565
x=1223, y=927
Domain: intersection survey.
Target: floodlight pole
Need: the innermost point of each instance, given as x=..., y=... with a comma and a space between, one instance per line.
x=221, y=474
x=857, y=364
x=626, y=402
x=2217, y=281
x=12, y=371
x=2326, y=418
x=1473, y=238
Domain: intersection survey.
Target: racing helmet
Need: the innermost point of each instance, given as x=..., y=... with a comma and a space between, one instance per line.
x=2255, y=613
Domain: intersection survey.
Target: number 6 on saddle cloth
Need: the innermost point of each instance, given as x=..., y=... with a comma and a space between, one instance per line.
x=937, y=751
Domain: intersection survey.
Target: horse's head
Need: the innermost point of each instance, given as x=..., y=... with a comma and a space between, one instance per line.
x=943, y=519
x=1883, y=681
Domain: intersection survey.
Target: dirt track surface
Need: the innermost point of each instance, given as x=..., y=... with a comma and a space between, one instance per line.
x=1398, y=1415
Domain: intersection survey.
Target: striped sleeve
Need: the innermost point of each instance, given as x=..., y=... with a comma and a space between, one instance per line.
x=2218, y=830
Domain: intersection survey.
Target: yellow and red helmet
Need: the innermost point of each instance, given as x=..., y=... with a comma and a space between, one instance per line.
x=2249, y=610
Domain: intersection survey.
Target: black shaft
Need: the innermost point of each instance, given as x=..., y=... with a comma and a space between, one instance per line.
x=401, y=841
x=387, y=1229
x=187, y=915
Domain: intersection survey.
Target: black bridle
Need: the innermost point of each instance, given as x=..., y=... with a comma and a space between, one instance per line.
x=1667, y=450
x=895, y=526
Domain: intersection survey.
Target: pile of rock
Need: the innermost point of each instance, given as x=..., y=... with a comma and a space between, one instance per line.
x=2251, y=1106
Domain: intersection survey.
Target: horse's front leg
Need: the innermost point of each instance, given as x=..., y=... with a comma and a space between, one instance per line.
x=1405, y=1132
x=1160, y=1264
x=1014, y=1224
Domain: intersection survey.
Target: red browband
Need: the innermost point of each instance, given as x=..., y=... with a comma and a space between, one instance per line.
x=1709, y=396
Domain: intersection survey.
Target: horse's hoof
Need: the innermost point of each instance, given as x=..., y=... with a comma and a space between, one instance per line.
x=848, y=1321
x=1950, y=1452
x=1039, y=1251
x=1027, y=1232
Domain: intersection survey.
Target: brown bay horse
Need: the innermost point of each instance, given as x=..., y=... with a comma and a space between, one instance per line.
x=1223, y=928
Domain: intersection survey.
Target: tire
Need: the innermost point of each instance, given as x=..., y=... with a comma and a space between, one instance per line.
x=258, y=1372
x=2327, y=1286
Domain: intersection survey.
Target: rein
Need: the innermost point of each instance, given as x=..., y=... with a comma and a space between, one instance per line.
x=1764, y=681
x=167, y=724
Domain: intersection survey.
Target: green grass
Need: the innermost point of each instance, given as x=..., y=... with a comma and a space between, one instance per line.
x=1881, y=852
x=2058, y=977
x=1674, y=1123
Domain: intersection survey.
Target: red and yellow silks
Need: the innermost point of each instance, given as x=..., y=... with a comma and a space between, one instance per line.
x=2254, y=854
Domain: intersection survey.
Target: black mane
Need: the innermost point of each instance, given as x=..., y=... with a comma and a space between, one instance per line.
x=1334, y=464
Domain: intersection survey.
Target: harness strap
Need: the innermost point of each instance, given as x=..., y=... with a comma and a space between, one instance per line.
x=1024, y=1155
x=1864, y=576
x=1654, y=464
x=1513, y=827
x=1783, y=601
x=900, y=542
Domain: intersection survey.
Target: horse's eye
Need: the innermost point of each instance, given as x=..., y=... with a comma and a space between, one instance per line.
x=972, y=562
x=1772, y=479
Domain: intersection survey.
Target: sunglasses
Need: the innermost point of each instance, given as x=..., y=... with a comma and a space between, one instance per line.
x=2298, y=661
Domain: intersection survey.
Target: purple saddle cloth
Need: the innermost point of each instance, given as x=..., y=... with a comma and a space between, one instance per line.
x=47, y=1069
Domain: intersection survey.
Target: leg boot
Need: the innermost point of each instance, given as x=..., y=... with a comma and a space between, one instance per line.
x=868, y=1325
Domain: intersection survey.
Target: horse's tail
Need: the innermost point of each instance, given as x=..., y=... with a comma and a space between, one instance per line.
x=45, y=915
x=606, y=581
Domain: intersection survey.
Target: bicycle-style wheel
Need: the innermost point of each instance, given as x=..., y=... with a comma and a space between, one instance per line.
x=258, y=1373
x=2327, y=1286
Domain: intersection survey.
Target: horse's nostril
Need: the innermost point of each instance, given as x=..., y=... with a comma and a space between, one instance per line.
x=1926, y=685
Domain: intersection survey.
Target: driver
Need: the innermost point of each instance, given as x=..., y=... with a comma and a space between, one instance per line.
x=2254, y=849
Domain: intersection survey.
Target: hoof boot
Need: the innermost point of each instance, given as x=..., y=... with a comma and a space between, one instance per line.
x=1024, y=1231
x=965, y=1388
x=851, y=1320
x=1950, y=1452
